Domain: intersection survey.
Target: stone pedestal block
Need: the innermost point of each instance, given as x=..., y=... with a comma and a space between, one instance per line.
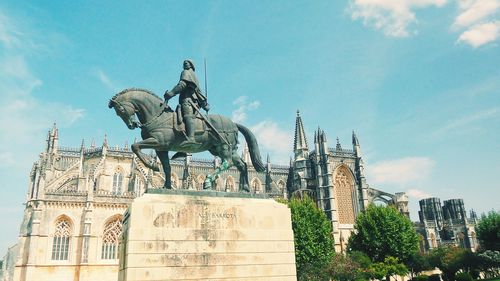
x=207, y=235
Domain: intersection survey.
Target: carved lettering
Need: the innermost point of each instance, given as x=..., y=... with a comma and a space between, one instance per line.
x=213, y=215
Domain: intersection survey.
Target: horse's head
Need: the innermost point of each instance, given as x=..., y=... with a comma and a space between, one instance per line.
x=126, y=110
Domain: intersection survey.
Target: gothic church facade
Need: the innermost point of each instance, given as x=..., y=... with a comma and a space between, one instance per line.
x=446, y=224
x=335, y=178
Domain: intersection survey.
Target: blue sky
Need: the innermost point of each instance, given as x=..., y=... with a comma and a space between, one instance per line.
x=418, y=80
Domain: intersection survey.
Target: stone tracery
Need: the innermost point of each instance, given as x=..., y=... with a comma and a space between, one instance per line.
x=344, y=190
x=60, y=244
x=110, y=239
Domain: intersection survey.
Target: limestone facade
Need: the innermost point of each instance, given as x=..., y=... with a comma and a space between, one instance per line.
x=76, y=199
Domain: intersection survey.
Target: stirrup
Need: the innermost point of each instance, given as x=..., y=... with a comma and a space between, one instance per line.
x=189, y=142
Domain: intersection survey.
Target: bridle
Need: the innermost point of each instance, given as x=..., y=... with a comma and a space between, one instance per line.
x=114, y=103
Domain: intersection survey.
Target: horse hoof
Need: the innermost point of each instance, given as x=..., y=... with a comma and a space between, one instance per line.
x=244, y=189
x=167, y=187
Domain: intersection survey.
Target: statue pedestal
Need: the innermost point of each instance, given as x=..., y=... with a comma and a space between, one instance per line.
x=206, y=235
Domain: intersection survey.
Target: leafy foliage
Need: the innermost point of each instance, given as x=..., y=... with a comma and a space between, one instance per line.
x=313, y=239
x=490, y=263
x=389, y=267
x=417, y=263
x=435, y=277
x=451, y=259
x=421, y=278
x=463, y=276
x=344, y=268
x=488, y=231
x=382, y=232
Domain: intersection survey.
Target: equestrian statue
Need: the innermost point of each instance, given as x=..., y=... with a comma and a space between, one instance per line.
x=185, y=130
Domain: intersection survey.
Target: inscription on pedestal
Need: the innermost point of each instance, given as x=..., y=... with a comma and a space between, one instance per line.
x=186, y=238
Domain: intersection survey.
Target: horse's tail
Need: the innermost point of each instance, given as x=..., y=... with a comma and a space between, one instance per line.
x=253, y=147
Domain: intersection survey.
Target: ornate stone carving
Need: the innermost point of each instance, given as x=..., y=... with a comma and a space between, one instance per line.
x=344, y=187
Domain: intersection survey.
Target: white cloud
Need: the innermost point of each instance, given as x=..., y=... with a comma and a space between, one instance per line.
x=240, y=114
x=481, y=34
x=475, y=11
x=24, y=117
x=400, y=171
x=478, y=22
x=273, y=139
x=418, y=194
x=393, y=17
x=8, y=34
x=468, y=119
x=105, y=80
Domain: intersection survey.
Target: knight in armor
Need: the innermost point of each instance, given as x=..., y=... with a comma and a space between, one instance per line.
x=190, y=95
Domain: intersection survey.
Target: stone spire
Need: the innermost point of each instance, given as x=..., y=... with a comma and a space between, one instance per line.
x=268, y=164
x=52, y=139
x=105, y=144
x=300, y=146
x=338, y=147
x=356, y=147
x=355, y=141
x=80, y=165
x=246, y=155
x=269, y=180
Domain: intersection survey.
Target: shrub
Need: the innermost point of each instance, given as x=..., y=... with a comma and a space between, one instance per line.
x=421, y=278
x=435, y=277
x=463, y=276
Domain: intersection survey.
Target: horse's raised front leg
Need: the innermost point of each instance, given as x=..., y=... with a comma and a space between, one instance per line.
x=208, y=184
x=150, y=143
x=165, y=163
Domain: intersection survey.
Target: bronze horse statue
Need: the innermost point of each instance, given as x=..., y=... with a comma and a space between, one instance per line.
x=159, y=132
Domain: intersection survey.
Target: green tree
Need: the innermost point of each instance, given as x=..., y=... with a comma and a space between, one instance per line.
x=343, y=268
x=382, y=232
x=449, y=259
x=488, y=231
x=417, y=263
x=313, y=239
x=490, y=263
x=389, y=267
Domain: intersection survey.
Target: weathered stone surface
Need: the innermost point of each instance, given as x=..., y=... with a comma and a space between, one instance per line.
x=185, y=236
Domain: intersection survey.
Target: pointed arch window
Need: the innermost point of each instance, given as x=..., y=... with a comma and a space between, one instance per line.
x=256, y=185
x=473, y=241
x=138, y=187
x=61, y=240
x=201, y=181
x=230, y=184
x=461, y=240
x=344, y=191
x=117, y=182
x=175, y=180
x=433, y=241
x=281, y=186
x=110, y=239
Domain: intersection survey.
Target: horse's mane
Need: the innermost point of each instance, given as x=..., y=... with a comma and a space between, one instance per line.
x=135, y=89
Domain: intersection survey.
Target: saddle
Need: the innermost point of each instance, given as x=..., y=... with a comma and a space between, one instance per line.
x=178, y=123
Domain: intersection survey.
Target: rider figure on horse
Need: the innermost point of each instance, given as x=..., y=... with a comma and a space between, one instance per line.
x=190, y=95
